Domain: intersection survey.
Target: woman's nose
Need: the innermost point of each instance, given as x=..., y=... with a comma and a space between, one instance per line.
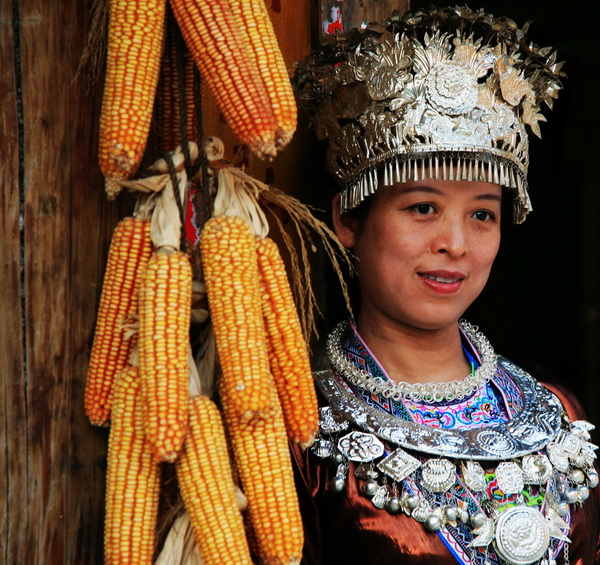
x=451, y=239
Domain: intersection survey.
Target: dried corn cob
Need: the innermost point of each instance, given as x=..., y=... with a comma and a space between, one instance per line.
x=263, y=462
x=214, y=39
x=288, y=354
x=205, y=479
x=231, y=276
x=168, y=103
x=129, y=251
x=135, y=40
x=165, y=311
x=257, y=31
x=133, y=481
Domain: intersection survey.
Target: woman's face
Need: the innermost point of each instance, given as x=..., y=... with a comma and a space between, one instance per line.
x=424, y=251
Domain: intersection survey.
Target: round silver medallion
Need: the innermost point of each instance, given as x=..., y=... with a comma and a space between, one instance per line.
x=509, y=478
x=438, y=475
x=522, y=536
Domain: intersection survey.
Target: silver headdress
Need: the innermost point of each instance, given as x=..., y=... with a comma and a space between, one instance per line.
x=438, y=93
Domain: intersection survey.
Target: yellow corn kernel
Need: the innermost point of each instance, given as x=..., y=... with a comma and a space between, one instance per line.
x=165, y=312
x=133, y=480
x=288, y=353
x=206, y=482
x=135, y=40
x=129, y=251
x=232, y=284
x=261, y=43
x=214, y=40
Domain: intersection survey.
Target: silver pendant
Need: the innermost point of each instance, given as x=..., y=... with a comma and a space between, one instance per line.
x=510, y=478
x=421, y=512
x=323, y=448
x=556, y=525
x=570, y=444
x=381, y=497
x=474, y=476
x=537, y=469
x=438, y=475
x=558, y=456
x=522, y=535
x=330, y=421
x=398, y=465
x=361, y=447
x=581, y=429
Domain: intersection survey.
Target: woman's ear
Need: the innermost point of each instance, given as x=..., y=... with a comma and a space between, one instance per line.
x=344, y=225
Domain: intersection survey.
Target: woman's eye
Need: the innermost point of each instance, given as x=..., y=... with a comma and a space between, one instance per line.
x=423, y=208
x=483, y=215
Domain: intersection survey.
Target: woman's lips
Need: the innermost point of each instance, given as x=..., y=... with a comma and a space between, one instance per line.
x=442, y=282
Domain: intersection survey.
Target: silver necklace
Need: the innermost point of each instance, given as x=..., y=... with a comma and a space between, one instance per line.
x=417, y=392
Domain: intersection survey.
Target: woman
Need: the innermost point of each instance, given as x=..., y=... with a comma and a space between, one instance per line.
x=431, y=447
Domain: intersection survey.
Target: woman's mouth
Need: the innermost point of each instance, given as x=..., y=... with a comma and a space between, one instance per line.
x=442, y=282
x=441, y=279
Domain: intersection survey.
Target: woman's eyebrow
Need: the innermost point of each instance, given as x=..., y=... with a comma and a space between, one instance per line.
x=490, y=196
x=420, y=188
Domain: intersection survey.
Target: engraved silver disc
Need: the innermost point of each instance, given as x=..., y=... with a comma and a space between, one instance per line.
x=510, y=478
x=438, y=475
x=522, y=536
x=359, y=446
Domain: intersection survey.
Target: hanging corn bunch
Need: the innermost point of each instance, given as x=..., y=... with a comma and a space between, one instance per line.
x=231, y=276
x=135, y=41
x=214, y=40
x=261, y=44
x=129, y=252
x=132, y=484
x=165, y=306
x=265, y=386
x=263, y=461
x=288, y=354
x=206, y=482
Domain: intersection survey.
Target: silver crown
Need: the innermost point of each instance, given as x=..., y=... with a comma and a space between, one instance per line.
x=425, y=97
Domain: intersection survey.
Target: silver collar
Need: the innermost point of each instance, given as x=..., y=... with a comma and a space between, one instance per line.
x=531, y=430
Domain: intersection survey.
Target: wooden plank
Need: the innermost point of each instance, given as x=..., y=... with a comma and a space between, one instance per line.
x=65, y=238
x=13, y=424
